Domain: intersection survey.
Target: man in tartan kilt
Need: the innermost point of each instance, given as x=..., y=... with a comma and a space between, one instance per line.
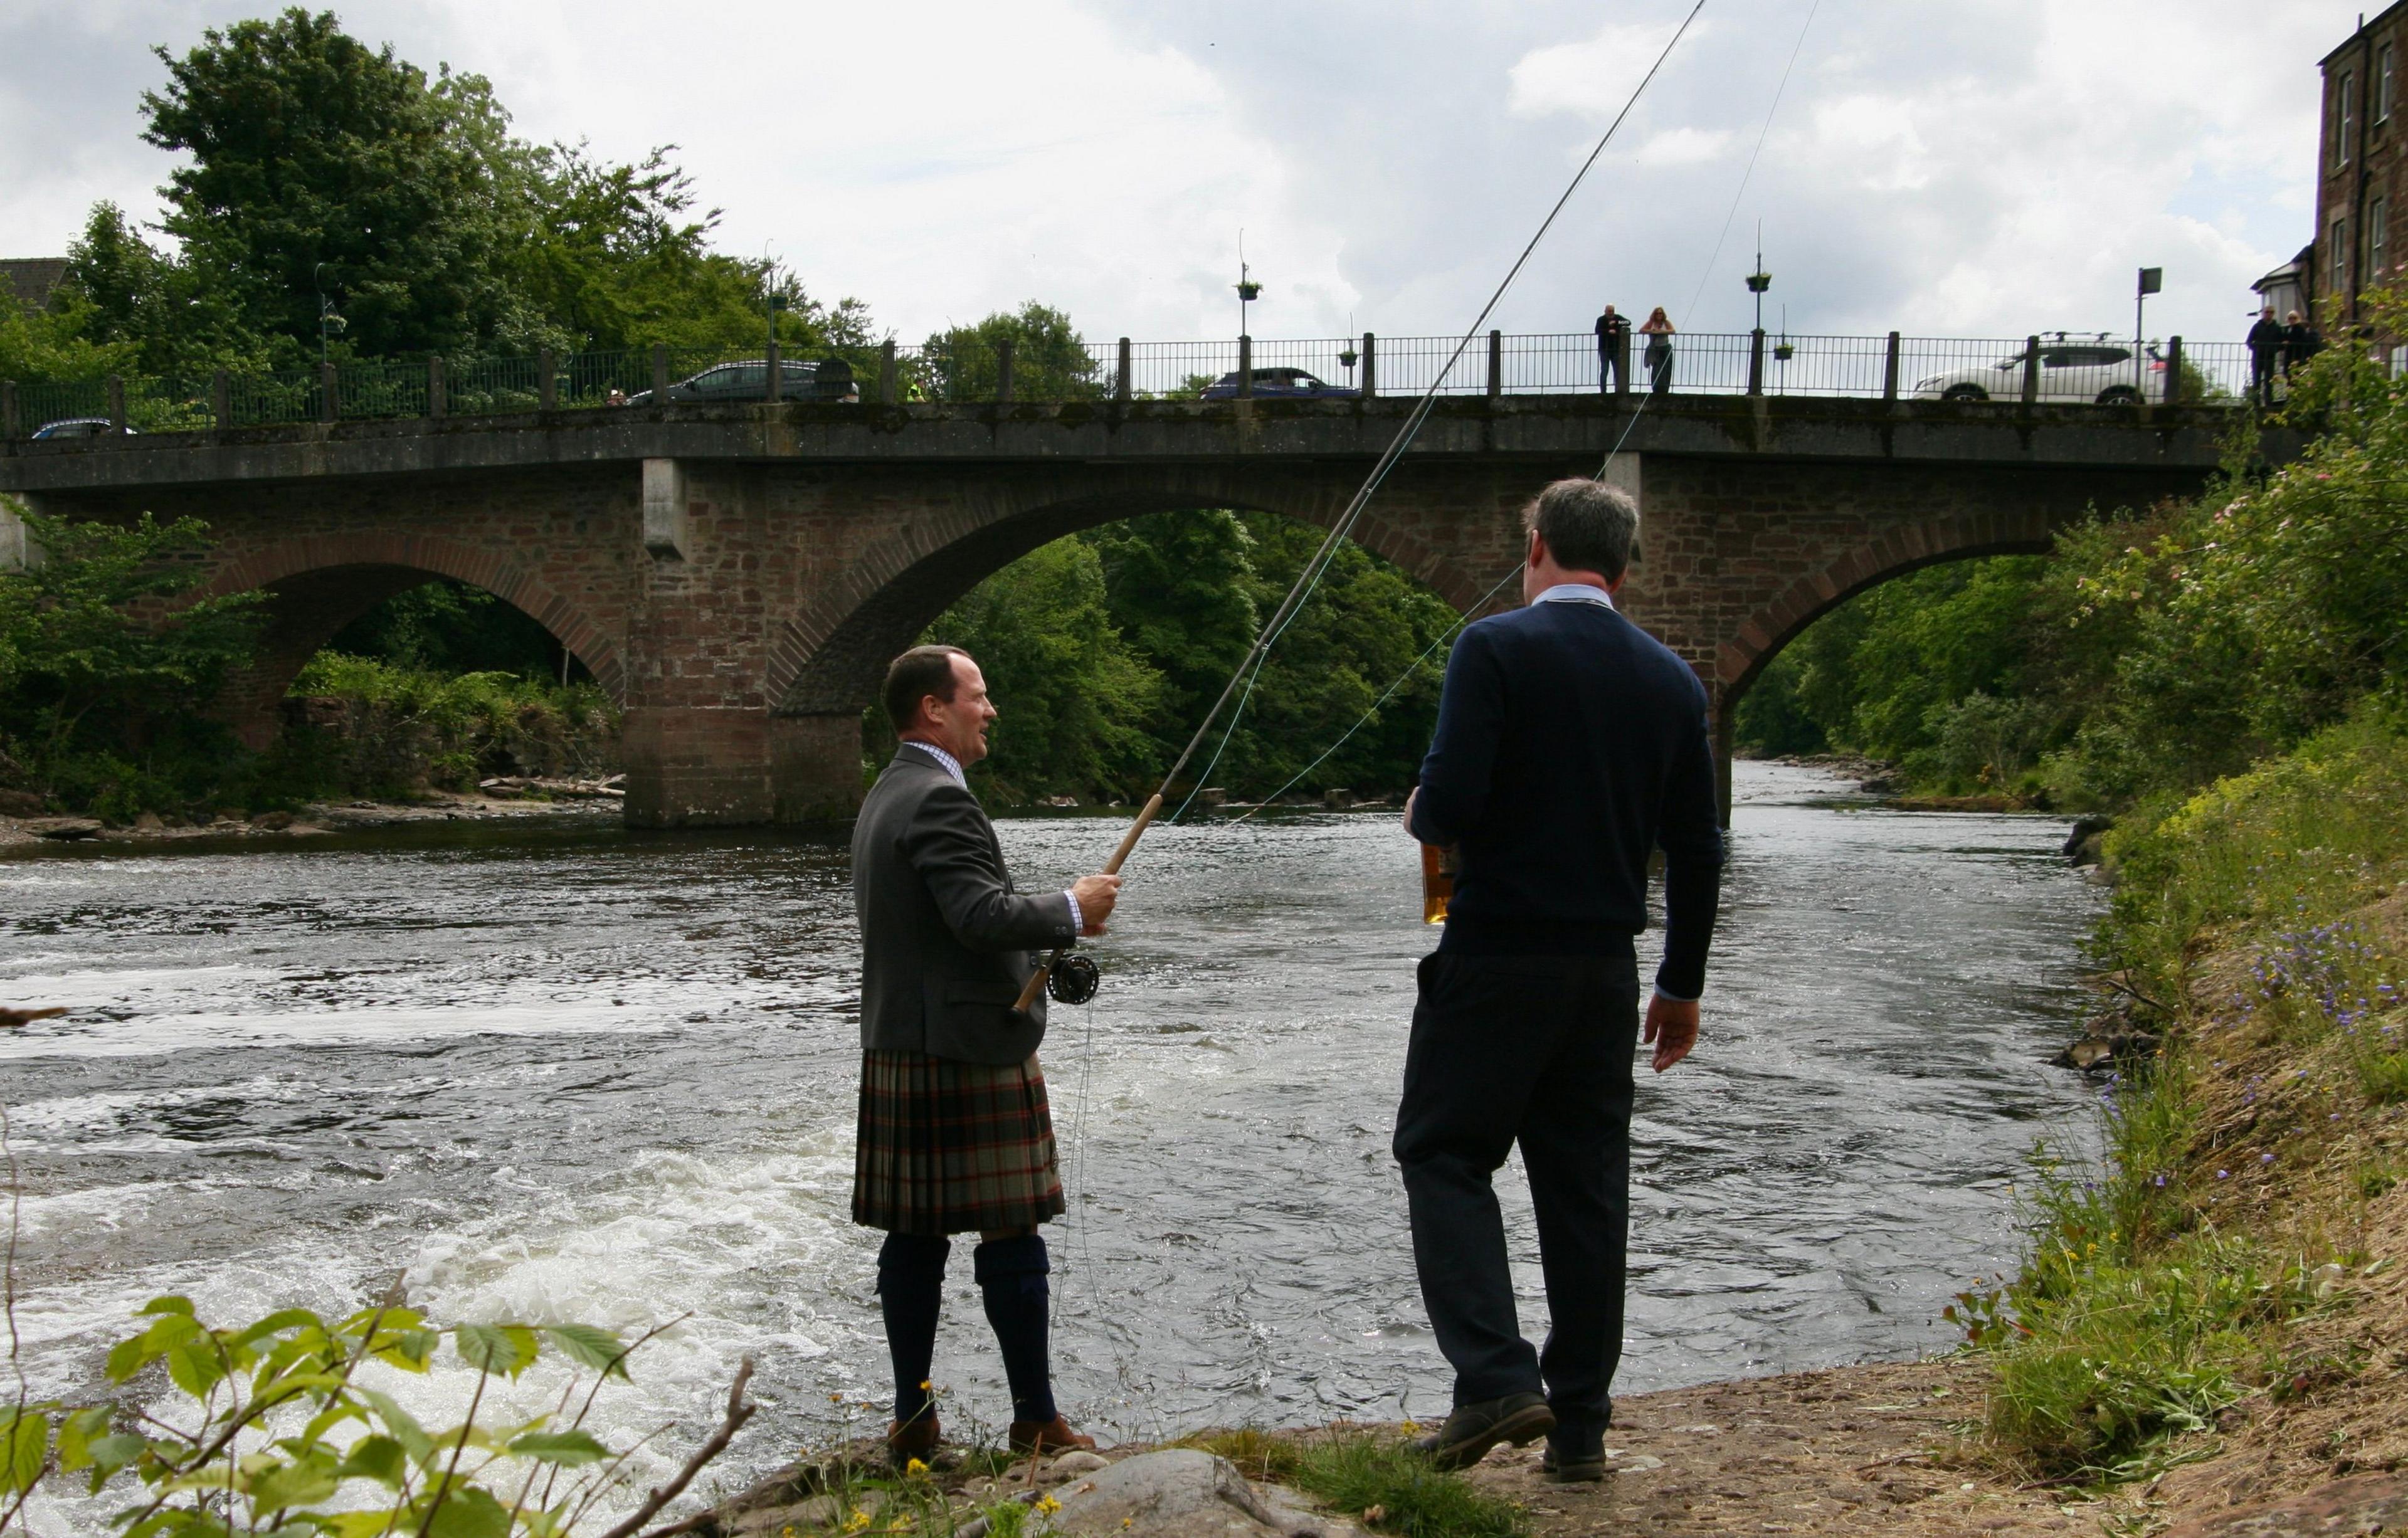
x=955, y=1136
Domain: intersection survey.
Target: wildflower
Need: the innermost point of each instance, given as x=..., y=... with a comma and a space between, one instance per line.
x=1411, y=1428
x=2265, y=1158
x=915, y=1468
x=2223, y=1174
x=926, y=1384
x=858, y=1520
x=1048, y=1506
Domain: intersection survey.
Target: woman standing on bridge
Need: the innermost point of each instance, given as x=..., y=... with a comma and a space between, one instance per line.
x=1657, y=329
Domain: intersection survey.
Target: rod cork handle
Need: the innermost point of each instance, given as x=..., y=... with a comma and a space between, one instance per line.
x=1036, y=984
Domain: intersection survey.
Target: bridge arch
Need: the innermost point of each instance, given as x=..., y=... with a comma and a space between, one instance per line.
x=323, y=582
x=828, y=659
x=1741, y=658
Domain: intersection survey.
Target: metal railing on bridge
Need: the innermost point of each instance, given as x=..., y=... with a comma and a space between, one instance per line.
x=2054, y=368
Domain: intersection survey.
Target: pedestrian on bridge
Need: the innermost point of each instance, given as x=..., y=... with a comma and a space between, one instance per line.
x=2301, y=341
x=1570, y=745
x=2265, y=356
x=1612, y=352
x=1657, y=329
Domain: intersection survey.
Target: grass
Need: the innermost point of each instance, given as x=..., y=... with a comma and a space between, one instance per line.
x=2175, y=1278
x=1375, y=1476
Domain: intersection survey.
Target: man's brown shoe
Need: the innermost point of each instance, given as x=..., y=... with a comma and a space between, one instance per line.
x=917, y=1437
x=1042, y=1438
x=1474, y=1429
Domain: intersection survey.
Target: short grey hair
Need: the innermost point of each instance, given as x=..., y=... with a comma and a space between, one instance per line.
x=1589, y=525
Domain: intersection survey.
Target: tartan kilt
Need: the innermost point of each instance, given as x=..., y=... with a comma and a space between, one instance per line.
x=946, y=1147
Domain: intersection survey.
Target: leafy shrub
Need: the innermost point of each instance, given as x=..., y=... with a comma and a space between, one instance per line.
x=278, y=1428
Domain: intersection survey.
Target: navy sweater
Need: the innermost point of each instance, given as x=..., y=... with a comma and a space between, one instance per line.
x=1570, y=745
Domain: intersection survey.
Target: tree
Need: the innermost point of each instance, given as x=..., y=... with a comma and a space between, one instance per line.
x=1050, y=362
x=311, y=151
x=98, y=647
x=1072, y=697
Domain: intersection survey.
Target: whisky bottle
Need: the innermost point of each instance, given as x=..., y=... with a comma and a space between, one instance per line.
x=1438, y=881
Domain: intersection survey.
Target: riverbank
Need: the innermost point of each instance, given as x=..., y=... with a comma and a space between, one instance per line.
x=498, y=800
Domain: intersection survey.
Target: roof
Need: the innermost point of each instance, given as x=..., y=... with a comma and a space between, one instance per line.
x=2367, y=24
x=31, y=279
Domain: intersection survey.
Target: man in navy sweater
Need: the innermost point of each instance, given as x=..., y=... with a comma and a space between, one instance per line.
x=1570, y=745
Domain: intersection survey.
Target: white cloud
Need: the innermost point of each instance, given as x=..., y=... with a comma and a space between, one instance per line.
x=1986, y=167
x=1686, y=147
x=1593, y=78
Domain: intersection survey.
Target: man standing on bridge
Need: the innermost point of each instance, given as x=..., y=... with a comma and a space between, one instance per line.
x=1570, y=745
x=956, y=1133
x=2265, y=353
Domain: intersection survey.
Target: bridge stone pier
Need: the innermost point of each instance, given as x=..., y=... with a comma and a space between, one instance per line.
x=739, y=576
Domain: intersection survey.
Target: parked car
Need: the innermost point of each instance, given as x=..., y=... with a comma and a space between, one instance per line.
x=1289, y=383
x=2098, y=371
x=79, y=427
x=748, y=379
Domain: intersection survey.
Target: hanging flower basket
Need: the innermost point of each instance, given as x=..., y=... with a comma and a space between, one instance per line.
x=1348, y=357
x=1758, y=282
x=1249, y=291
x=1782, y=352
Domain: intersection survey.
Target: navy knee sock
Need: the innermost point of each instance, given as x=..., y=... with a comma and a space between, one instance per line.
x=1011, y=1276
x=911, y=1286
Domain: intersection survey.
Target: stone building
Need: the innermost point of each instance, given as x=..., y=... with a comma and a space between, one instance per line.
x=2362, y=168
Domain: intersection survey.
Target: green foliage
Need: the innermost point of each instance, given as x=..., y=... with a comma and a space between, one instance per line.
x=102, y=649
x=307, y=148
x=319, y=167
x=288, y=1434
x=1049, y=360
x=405, y=728
x=1359, y=1472
x=1928, y=670
x=1103, y=649
x=1072, y=697
x=451, y=627
x=2149, y=1299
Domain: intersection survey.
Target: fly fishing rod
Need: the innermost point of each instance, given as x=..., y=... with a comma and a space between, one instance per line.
x=1082, y=988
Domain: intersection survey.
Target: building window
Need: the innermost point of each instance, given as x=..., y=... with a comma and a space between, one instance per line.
x=2340, y=255
x=2377, y=269
x=2383, y=83
x=2344, y=113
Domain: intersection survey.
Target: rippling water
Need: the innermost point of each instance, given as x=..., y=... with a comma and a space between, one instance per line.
x=583, y=1073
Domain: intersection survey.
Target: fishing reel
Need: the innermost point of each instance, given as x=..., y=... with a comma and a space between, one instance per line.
x=1073, y=980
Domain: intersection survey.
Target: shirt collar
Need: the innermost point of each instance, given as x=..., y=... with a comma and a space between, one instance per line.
x=945, y=761
x=1574, y=593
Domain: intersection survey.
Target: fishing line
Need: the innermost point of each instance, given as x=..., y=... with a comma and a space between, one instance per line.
x=1688, y=311
x=1315, y=568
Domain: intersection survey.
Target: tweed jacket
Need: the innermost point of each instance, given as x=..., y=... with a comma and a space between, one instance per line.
x=945, y=941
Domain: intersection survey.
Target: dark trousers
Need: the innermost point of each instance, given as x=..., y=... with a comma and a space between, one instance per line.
x=2261, y=377
x=1612, y=362
x=1535, y=1050
x=1659, y=367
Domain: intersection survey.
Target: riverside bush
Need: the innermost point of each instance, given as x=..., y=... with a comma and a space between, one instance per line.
x=277, y=1427
x=405, y=728
x=2162, y=1284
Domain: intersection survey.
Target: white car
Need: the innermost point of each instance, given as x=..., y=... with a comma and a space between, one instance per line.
x=2098, y=372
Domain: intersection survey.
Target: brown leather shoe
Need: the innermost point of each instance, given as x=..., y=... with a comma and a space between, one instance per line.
x=1042, y=1438
x=917, y=1437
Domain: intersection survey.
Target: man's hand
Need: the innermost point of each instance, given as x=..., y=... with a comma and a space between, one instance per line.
x=1672, y=1027
x=1409, y=807
x=1096, y=895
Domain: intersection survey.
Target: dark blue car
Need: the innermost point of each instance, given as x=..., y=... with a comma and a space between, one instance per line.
x=1280, y=383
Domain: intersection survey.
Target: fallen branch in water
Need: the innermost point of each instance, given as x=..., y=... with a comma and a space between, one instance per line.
x=738, y=1413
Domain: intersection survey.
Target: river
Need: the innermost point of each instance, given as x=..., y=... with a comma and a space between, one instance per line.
x=574, y=1073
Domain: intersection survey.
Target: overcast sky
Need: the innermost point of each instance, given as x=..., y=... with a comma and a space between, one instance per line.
x=1980, y=167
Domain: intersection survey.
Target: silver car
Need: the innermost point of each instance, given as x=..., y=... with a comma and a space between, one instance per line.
x=2093, y=372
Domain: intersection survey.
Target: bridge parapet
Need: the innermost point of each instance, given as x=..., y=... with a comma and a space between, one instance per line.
x=2045, y=369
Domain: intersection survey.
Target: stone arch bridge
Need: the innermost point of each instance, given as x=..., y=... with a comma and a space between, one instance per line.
x=739, y=575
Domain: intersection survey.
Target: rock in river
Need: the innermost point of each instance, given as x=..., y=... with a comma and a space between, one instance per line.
x=64, y=827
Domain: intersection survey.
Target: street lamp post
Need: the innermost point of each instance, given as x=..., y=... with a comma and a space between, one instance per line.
x=2153, y=281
